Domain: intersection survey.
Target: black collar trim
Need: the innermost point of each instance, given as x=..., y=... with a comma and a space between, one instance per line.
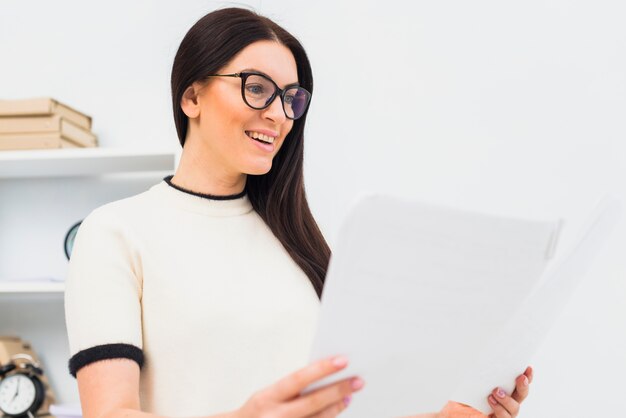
x=168, y=180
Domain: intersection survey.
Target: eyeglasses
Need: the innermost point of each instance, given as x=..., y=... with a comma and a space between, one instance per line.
x=259, y=91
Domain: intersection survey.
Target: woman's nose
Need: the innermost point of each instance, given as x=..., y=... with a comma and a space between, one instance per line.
x=275, y=111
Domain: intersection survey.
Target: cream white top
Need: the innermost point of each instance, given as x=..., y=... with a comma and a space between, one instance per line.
x=200, y=288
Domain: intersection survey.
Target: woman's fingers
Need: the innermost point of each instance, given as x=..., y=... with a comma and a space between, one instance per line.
x=521, y=388
x=325, y=400
x=499, y=411
x=522, y=385
x=333, y=411
x=503, y=405
x=291, y=386
x=529, y=373
x=330, y=412
x=284, y=399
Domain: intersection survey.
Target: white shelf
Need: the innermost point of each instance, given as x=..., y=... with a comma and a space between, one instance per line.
x=82, y=162
x=31, y=301
x=31, y=286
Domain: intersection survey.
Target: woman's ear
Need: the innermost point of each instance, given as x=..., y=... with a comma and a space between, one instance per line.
x=189, y=102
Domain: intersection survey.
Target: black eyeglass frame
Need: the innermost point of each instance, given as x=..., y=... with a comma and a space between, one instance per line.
x=277, y=91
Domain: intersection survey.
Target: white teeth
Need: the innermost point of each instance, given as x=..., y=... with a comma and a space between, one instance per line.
x=262, y=137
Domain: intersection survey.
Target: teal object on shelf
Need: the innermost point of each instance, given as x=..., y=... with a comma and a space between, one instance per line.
x=69, y=239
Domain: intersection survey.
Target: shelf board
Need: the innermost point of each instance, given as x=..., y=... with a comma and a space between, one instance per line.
x=31, y=286
x=82, y=162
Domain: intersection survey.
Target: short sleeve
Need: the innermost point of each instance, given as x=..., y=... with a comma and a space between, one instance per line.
x=103, y=292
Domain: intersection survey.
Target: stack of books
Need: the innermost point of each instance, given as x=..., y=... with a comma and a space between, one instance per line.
x=42, y=123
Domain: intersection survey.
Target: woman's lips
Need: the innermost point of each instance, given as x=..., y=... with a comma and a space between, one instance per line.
x=261, y=137
x=262, y=145
x=267, y=132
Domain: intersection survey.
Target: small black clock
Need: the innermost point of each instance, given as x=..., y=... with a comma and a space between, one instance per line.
x=22, y=393
x=24, y=389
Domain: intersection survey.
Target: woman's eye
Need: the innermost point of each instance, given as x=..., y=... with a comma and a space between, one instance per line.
x=289, y=99
x=254, y=88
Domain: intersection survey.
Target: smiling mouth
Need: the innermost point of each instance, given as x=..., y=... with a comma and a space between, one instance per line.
x=260, y=137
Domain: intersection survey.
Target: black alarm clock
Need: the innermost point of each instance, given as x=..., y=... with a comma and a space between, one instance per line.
x=24, y=392
x=21, y=392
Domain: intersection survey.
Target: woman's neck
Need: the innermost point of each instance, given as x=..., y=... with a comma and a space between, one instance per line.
x=197, y=174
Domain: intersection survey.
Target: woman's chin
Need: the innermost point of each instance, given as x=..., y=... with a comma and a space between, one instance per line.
x=259, y=169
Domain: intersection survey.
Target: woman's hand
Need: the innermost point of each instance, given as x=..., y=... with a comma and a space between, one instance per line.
x=505, y=406
x=283, y=399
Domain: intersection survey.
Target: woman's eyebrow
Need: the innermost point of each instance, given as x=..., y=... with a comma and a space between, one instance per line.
x=267, y=75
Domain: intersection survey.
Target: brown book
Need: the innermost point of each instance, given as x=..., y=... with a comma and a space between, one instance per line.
x=43, y=106
x=36, y=142
x=47, y=124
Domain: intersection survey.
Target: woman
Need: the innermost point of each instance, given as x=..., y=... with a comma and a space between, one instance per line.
x=195, y=297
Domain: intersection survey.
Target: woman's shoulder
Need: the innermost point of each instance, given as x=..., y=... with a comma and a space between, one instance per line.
x=122, y=211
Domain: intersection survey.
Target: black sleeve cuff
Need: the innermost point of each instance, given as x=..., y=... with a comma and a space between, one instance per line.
x=104, y=352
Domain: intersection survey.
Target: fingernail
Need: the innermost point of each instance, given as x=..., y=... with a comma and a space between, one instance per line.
x=340, y=361
x=357, y=383
x=525, y=381
x=346, y=400
x=492, y=400
x=500, y=393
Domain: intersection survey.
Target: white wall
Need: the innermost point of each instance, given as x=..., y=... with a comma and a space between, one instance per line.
x=508, y=107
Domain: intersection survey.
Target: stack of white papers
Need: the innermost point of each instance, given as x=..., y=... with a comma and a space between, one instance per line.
x=432, y=304
x=66, y=411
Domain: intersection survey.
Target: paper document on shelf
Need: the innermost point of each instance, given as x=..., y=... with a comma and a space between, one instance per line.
x=415, y=292
x=66, y=411
x=33, y=279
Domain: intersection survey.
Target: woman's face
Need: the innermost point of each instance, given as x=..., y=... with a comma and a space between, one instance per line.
x=225, y=122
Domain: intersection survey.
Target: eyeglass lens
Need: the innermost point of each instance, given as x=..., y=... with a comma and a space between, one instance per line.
x=259, y=92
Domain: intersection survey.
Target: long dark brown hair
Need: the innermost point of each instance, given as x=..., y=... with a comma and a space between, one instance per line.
x=278, y=196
